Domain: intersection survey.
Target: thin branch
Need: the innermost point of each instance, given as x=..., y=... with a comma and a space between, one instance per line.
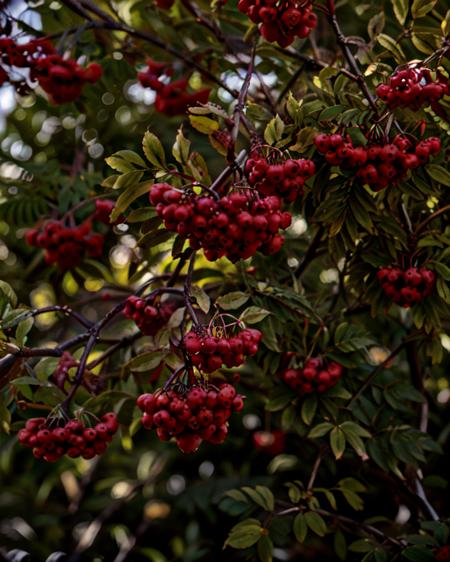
x=342, y=42
x=311, y=252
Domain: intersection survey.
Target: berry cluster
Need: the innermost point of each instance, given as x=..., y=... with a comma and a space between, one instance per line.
x=191, y=416
x=148, y=316
x=269, y=442
x=63, y=79
x=282, y=20
x=413, y=87
x=235, y=226
x=317, y=375
x=50, y=439
x=20, y=55
x=172, y=98
x=377, y=164
x=208, y=353
x=66, y=245
x=406, y=286
x=285, y=179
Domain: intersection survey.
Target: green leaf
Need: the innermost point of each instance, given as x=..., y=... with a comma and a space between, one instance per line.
x=233, y=300
x=265, y=549
x=353, y=499
x=352, y=427
x=337, y=442
x=309, y=409
x=141, y=215
x=9, y=293
x=320, y=430
x=340, y=545
x=400, y=10
x=253, y=315
x=22, y=330
x=145, y=361
x=154, y=238
x=128, y=179
x=202, y=299
x=420, y=8
x=237, y=495
x=418, y=554
x=261, y=495
x=352, y=484
x=154, y=150
x=439, y=174
x=392, y=46
x=244, y=534
x=268, y=497
x=300, y=528
x=203, y=125
x=316, y=523
x=125, y=161
x=274, y=130
x=199, y=169
x=130, y=195
x=181, y=147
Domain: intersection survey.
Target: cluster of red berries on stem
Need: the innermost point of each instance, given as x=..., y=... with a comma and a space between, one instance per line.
x=62, y=79
x=20, y=55
x=406, y=287
x=317, y=375
x=413, y=87
x=191, y=415
x=208, y=352
x=285, y=179
x=148, y=315
x=236, y=225
x=377, y=164
x=66, y=245
x=53, y=438
x=281, y=20
x=171, y=98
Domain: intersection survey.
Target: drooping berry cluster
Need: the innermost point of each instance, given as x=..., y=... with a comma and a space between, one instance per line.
x=66, y=245
x=413, y=87
x=53, y=438
x=62, y=79
x=171, y=98
x=317, y=375
x=15, y=55
x=284, y=179
x=191, y=416
x=149, y=316
x=236, y=225
x=378, y=164
x=281, y=20
x=406, y=287
x=208, y=353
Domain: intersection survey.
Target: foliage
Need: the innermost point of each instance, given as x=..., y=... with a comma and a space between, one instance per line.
x=360, y=470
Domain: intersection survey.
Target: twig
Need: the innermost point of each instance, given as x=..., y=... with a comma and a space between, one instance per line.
x=342, y=42
x=187, y=289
